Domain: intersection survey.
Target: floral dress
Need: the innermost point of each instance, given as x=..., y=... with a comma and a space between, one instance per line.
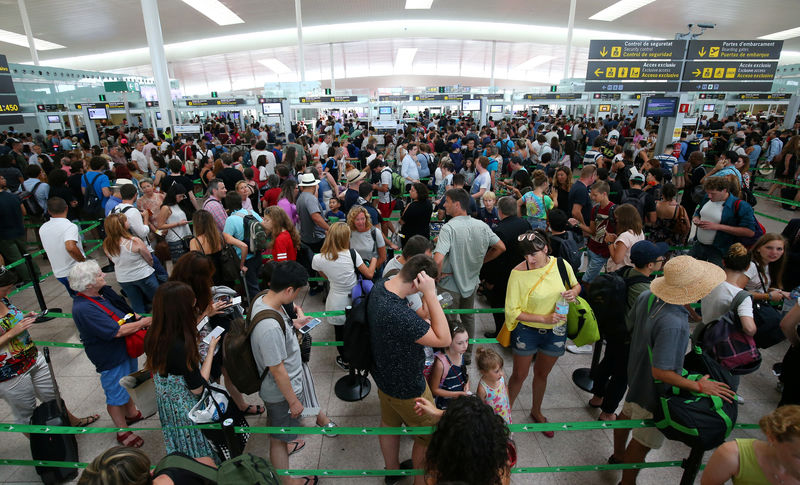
x=498, y=399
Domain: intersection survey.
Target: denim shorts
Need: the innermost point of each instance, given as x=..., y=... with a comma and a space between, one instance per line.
x=527, y=341
x=116, y=395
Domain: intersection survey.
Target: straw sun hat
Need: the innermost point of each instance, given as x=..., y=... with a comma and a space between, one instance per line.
x=686, y=280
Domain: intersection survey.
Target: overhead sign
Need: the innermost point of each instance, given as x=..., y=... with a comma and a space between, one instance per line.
x=215, y=102
x=565, y=96
x=711, y=96
x=151, y=104
x=329, y=99
x=51, y=107
x=651, y=87
x=441, y=97
x=641, y=70
x=109, y=105
x=120, y=86
x=604, y=108
x=188, y=129
x=488, y=96
x=636, y=49
x=270, y=100
x=394, y=97
x=607, y=96
x=734, y=49
x=688, y=86
x=733, y=71
x=764, y=96
x=10, y=112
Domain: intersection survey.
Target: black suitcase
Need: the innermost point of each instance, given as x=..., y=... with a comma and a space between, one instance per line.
x=53, y=447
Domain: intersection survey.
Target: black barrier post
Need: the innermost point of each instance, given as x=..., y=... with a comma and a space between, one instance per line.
x=38, y=290
x=583, y=377
x=230, y=438
x=691, y=465
x=353, y=386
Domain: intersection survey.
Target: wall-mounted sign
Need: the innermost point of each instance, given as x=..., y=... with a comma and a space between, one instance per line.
x=634, y=70
x=764, y=96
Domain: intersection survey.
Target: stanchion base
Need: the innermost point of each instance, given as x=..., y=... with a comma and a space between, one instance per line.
x=582, y=378
x=46, y=318
x=352, y=388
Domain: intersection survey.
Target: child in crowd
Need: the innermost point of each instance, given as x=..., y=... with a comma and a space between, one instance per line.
x=599, y=224
x=492, y=387
x=448, y=378
x=488, y=213
x=535, y=205
x=334, y=206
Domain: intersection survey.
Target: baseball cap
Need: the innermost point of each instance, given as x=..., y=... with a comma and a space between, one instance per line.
x=644, y=252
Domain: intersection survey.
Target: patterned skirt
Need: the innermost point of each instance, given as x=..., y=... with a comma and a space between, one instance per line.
x=174, y=402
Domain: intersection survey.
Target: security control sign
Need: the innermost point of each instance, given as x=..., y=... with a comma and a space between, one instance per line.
x=637, y=49
x=734, y=50
x=731, y=71
x=637, y=71
x=564, y=96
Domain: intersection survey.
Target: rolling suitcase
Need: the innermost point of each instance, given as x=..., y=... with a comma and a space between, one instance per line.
x=53, y=447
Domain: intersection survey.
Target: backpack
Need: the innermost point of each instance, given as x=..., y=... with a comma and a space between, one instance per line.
x=92, y=203
x=725, y=341
x=238, y=353
x=505, y=150
x=581, y=322
x=568, y=249
x=398, y=184
x=255, y=236
x=749, y=242
x=357, y=345
x=29, y=202
x=245, y=468
x=637, y=201
x=692, y=147
x=608, y=297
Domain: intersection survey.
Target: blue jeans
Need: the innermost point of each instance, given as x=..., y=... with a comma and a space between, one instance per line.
x=596, y=263
x=161, y=272
x=253, y=265
x=64, y=281
x=141, y=292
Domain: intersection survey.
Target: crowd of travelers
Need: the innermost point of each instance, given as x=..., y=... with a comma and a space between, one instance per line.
x=533, y=215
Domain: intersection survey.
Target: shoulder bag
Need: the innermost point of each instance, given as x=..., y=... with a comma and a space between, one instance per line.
x=134, y=343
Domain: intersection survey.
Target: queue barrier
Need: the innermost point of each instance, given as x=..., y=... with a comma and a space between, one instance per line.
x=92, y=225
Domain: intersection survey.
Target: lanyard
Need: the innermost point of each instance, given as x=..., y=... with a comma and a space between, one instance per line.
x=120, y=321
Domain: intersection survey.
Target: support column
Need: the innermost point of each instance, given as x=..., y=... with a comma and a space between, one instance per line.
x=333, y=78
x=298, y=13
x=491, y=76
x=668, y=126
x=791, y=112
x=570, y=26
x=91, y=128
x=155, y=41
x=26, y=24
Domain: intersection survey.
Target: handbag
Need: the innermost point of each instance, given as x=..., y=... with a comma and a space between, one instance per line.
x=184, y=240
x=728, y=344
x=582, y=326
x=219, y=399
x=768, y=321
x=134, y=343
x=230, y=263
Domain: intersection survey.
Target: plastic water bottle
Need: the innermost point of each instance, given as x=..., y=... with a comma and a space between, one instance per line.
x=429, y=358
x=445, y=299
x=562, y=308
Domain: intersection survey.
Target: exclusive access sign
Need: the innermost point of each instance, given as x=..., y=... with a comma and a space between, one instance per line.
x=731, y=71
x=637, y=49
x=636, y=70
x=732, y=50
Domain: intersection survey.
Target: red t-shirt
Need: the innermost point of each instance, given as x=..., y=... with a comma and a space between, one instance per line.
x=283, y=248
x=596, y=243
x=270, y=197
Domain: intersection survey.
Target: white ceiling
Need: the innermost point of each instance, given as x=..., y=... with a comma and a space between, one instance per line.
x=453, y=38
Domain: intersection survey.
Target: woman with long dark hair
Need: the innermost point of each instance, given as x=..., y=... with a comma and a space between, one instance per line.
x=417, y=215
x=172, y=221
x=209, y=241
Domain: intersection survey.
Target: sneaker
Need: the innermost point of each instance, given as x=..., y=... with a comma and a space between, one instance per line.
x=583, y=349
x=341, y=363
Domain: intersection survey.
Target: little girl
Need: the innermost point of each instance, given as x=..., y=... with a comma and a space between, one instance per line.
x=492, y=386
x=448, y=377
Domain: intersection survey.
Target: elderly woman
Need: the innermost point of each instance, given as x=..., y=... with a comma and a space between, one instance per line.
x=24, y=374
x=104, y=319
x=366, y=239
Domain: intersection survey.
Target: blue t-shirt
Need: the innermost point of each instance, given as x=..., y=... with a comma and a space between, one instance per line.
x=111, y=203
x=234, y=225
x=98, y=332
x=98, y=181
x=338, y=214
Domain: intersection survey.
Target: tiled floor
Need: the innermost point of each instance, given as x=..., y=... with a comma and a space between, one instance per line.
x=563, y=401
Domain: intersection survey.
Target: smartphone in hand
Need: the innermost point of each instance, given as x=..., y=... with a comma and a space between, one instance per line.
x=308, y=326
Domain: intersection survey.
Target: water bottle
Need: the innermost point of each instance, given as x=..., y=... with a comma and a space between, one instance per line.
x=445, y=299
x=429, y=358
x=793, y=300
x=562, y=308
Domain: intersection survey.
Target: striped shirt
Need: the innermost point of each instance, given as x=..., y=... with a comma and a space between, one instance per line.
x=217, y=210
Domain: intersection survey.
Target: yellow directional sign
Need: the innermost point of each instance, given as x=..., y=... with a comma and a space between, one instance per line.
x=719, y=72
x=702, y=52
x=640, y=70
x=616, y=51
x=731, y=70
x=713, y=52
x=635, y=71
x=611, y=72
x=603, y=51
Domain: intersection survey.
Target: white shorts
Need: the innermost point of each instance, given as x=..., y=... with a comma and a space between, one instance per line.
x=649, y=437
x=21, y=391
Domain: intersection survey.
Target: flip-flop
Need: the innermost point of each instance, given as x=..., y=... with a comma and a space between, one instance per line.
x=125, y=440
x=311, y=480
x=259, y=410
x=84, y=422
x=547, y=434
x=297, y=447
x=134, y=419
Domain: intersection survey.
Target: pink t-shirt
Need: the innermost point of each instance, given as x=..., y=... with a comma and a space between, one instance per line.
x=628, y=238
x=290, y=209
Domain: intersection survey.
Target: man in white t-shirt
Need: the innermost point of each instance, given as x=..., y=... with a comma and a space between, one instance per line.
x=137, y=157
x=482, y=181
x=61, y=241
x=148, y=152
x=410, y=168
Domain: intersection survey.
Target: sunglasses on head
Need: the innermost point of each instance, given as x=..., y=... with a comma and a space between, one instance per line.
x=537, y=240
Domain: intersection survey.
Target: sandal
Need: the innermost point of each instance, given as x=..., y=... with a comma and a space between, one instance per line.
x=547, y=434
x=311, y=480
x=297, y=446
x=612, y=460
x=259, y=410
x=129, y=439
x=134, y=419
x=84, y=422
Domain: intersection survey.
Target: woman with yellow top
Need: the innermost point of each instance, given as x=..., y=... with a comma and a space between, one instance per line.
x=757, y=462
x=534, y=288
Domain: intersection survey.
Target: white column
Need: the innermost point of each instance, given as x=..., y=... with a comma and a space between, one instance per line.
x=791, y=112
x=298, y=13
x=491, y=76
x=570, y=26
x=26, y=24
x=152, y=26
x=333, y=78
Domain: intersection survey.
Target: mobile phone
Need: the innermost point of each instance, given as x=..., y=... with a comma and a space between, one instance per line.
x=40, y=316
x=308, y=326
x=202, y=323
x=236, y=301
x=214, y=333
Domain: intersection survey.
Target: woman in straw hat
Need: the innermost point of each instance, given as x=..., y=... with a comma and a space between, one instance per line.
x=658, y=344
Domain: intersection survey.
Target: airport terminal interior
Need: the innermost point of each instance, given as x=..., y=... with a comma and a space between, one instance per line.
x=496, y=237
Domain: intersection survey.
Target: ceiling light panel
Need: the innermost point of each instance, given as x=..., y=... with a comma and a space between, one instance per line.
x=215, y=10
x=783, y=34
x=22, y=40
x=418, y=4
x=275, y=65
x=617, y=10
x=404, y=59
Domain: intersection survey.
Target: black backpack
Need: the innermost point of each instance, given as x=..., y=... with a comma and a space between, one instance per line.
x=29, y=202
x=692, y=147
x=92, y=203
x=608, y=297
x=505, y=150
x=567, y=249
x=637, y=201
x=357, y=346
